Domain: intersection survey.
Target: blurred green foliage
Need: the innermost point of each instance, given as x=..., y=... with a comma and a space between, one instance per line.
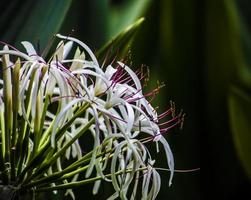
x=200, y=49
x=240, y=114
x=35, y=21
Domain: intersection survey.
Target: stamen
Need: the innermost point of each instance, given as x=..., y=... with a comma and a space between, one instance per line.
x=179, y=170
x=12, y=47
x=164, y=114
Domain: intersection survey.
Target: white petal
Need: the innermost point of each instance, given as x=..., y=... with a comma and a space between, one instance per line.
x=29, y=48
x=67, y=49
x=170, y=160
x=62, y=114
x=81, y=44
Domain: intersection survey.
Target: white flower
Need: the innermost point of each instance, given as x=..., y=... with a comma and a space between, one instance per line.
x=61, y=99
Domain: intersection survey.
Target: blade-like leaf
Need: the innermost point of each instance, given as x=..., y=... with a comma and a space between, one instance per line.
x=36, y=21
x=240, y=115
x=123, y=13
x=121, y=42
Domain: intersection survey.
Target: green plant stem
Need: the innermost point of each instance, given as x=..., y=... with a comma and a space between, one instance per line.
x=23, y=137
x=53, y=159
x=55, y=178
x=40, y=115
x=63, y=174
x=7, y=97
x=51, y=178
x=46, y=150
x=39, y=127
x=15, y=107
x=86, y=181
x=45, y=139
x=3, y=147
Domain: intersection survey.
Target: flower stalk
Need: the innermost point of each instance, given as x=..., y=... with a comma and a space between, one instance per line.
x=83, y=182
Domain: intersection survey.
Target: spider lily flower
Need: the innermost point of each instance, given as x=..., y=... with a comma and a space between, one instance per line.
x=47, y=106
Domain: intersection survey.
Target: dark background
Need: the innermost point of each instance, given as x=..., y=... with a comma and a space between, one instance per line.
x=200, y=49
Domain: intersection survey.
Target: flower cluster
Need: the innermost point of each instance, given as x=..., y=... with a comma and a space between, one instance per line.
x=47, y=106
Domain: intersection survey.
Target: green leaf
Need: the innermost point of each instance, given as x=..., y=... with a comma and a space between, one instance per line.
x=240, y=115
x=35, y=21
x=119, y=45
x=123, y=14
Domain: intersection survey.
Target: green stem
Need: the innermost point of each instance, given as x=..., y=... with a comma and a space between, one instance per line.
x=83, y=182
x=7, y=96
x=46, y=150
x=15, y=107
x=63, y=174
x=44, y=140
x=23, y=137
x=55, y=178
x=3, y=147
x=53, y=159
x=39, y=115
x=39, y=120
